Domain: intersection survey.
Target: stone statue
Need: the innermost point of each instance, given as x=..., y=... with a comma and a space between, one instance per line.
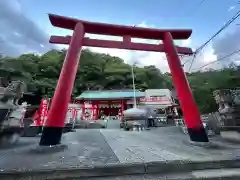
x=10, y=113
x=229, y=109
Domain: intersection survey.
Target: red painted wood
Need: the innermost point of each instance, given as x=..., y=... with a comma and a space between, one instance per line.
x=63, y=91
x=188, y=105
x=118, y=30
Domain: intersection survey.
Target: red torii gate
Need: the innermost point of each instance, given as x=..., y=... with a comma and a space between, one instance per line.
x=52, y=131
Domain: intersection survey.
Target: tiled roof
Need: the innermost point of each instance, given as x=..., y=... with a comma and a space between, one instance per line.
x=110, y=94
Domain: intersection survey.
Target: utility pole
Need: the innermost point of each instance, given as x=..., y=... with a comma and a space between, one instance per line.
x=134, y=88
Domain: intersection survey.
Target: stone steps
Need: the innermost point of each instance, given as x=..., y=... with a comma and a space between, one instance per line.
x=175, y=170
x=216, y=174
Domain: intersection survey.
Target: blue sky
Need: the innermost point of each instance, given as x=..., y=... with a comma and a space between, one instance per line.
x=24, y=23
x=204, y=19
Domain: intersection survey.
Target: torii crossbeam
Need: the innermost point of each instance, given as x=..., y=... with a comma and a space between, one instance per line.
x=52, y=130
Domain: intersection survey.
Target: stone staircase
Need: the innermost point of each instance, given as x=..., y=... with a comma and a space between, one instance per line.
x=216, y=174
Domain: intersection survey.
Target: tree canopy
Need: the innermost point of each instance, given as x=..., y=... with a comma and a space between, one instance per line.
x=101, y=71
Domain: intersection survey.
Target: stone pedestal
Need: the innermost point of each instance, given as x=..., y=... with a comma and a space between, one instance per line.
x=230, y=135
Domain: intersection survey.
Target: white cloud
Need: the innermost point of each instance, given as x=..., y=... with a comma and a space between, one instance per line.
x=209, y=56
x=186, y=42
x=142, y=58
x=237, y=62
x=143, y=24
x=231, y=8
x=205, y=57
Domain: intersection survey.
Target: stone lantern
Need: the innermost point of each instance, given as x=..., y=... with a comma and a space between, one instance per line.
x=10, y=111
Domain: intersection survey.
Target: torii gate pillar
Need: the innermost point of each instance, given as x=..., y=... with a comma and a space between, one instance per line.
x=52, y=130
x=191, y=114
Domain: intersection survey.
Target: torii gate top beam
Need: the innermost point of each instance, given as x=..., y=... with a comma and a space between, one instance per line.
x=127, y=32
x=118, y=30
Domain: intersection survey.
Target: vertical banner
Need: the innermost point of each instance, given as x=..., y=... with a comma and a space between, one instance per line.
x=23, y=109
x=96, y=112
x=83, y=112
x=121, y=111
x=68, y=116
x=46, y=110
x=35, y=118
x=93, y=112
x=42, y=112
x=74, y=114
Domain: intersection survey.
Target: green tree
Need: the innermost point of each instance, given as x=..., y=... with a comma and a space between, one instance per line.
x=101, y=71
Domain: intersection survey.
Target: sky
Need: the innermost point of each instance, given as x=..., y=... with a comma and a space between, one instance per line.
x=25, y=27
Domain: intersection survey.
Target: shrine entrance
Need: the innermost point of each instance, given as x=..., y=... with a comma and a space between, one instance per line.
x=110, y=108
x=94, y=110
x=52, y=132
x=105, y=103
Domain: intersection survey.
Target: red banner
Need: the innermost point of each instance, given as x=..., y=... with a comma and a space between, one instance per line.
x=42, y=113
x=74, y=113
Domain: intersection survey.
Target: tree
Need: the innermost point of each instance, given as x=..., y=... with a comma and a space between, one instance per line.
x=101, y=71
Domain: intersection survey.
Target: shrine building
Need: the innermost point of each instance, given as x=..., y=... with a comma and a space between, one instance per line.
x=160, y=99
x=114, y=102
x=108, y=102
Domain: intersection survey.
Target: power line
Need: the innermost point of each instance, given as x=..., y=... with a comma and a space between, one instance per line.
x=190, y=67
x=219, y=31
x=201, y=2
x=214, y=35
x=194, y=10
x=219, y=59
x=198, y=5
x=182, y=57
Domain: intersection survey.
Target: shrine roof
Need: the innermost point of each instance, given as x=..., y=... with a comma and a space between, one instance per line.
x=110, y=94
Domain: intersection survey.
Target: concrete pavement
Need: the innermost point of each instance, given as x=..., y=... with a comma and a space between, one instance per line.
x=85, y=148
x=165, y=144
x=94, y=152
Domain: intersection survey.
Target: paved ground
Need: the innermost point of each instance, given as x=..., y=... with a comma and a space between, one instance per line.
x=85, y=148
x=165, y=144
x=91, y=147
x=113, y=124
